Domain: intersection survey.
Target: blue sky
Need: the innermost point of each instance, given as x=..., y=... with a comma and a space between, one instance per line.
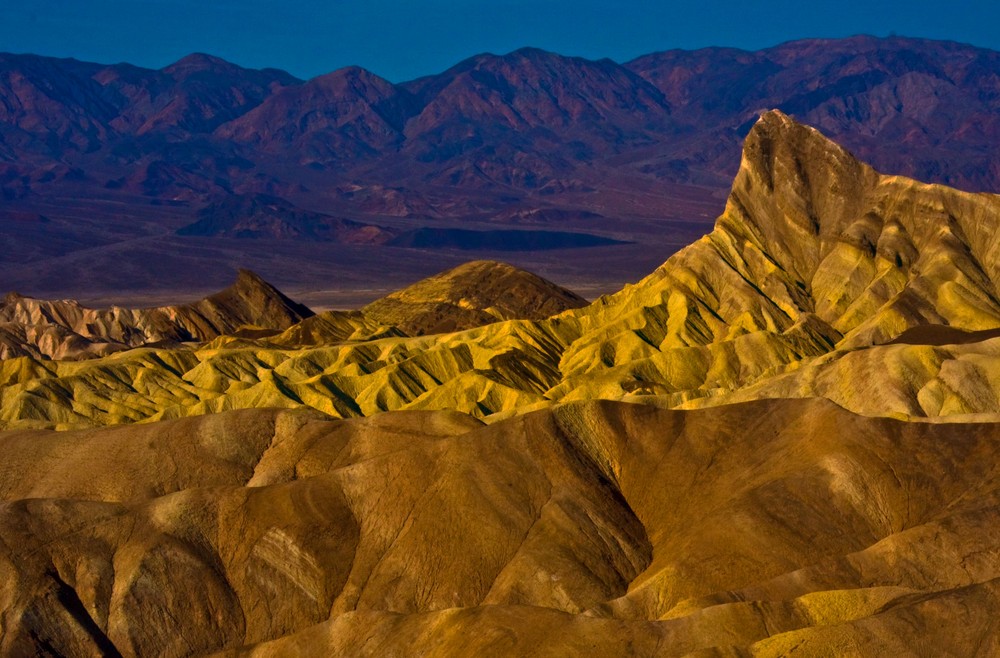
x=403, y=39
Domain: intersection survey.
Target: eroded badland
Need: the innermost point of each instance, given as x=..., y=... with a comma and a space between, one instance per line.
x=783, y=441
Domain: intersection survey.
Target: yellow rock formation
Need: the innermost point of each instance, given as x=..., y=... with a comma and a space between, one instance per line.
x=816, y=262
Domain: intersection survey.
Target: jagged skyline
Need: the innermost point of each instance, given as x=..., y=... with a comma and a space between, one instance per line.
x=399, y=159
x=401, y=41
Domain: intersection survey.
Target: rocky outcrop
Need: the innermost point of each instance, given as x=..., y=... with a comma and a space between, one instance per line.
x=472, y=295
x=65, y=329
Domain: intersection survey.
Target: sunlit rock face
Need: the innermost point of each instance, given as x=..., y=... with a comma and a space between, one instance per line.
x=816, y=267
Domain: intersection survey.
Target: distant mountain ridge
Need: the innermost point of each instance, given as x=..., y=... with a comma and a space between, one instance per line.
x=931, y=97
x=492, y=140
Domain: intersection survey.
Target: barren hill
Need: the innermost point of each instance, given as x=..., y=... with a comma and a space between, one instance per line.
x=471, y=295
x=772, y=527
x=65, y=329
x=475, y=294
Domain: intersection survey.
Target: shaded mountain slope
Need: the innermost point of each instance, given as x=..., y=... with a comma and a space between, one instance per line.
x=52, y=105
x=538, y=114
x=527, y=119
x=193, y=95
x=262, y=216
x=45, y=96
x=534, y=89
x=471, y=295
x=773, y=525
x=65, y=329
x=920, y=108
x=346, y=114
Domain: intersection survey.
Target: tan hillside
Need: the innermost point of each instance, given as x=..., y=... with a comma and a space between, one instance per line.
x=470, y=295
x=954, y=382
x=594, y=528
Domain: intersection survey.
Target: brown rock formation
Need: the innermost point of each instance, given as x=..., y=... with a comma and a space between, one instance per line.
x=65, y=329
x=471, y=295
x=593, y=527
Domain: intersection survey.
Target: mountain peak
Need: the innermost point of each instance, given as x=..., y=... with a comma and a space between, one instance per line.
x=198, y=62
x=352, y=73
x=353, y=82
x=532, y=53
x=252, y=296
x=67, y=329
x=776, y=137
x=249, y=279
x=795, y=188
x=248, y=284
x=531, y=57
x=469, y=295
x=870, y=255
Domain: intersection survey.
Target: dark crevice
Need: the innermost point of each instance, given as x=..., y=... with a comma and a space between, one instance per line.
x=70, y=600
